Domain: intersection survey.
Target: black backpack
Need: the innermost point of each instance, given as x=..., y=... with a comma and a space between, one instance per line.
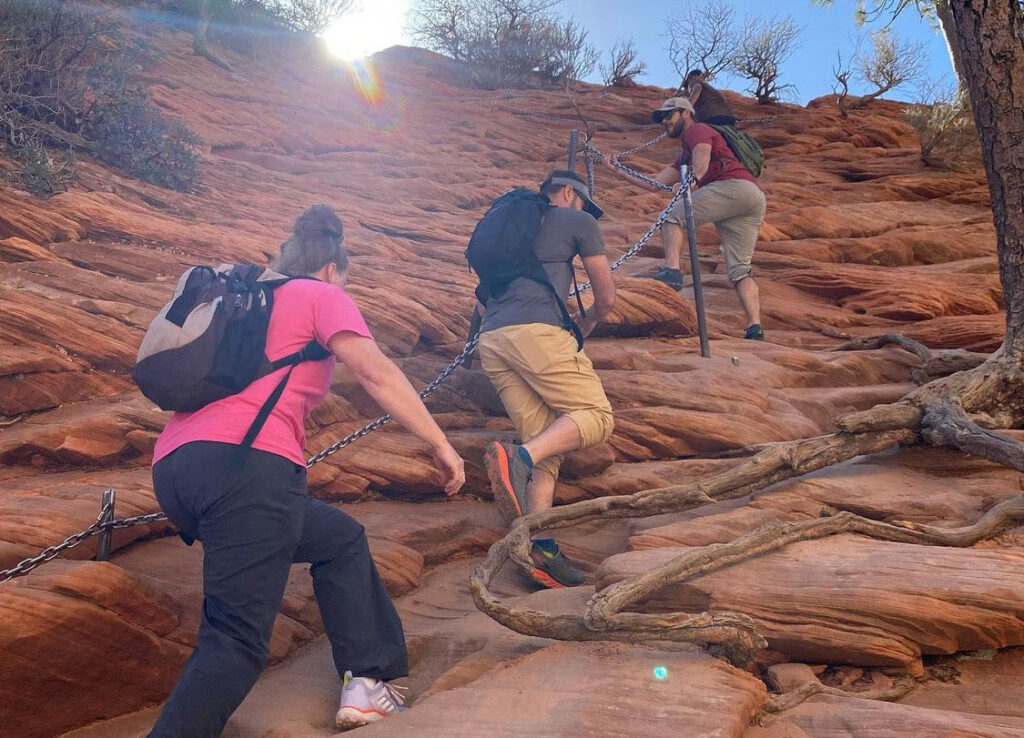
x=501, y=250
x=210, y=340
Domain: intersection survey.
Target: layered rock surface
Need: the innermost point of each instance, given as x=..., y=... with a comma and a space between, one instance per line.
x=860, y=239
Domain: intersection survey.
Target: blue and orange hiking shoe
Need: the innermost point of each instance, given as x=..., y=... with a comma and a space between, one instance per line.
x=551, y=568
x=509, y=476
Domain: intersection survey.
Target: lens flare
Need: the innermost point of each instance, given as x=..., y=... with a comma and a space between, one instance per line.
x=365, y=79
x=660, y=673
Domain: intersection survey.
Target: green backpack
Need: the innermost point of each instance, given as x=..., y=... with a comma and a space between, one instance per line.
x=747, y=150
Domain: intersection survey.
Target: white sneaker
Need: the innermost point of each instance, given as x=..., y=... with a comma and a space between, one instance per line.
x=365, y=700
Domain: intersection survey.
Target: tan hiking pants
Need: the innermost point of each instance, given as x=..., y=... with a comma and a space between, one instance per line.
x=736, y=207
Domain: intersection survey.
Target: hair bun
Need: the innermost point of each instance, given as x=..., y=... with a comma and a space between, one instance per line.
x=319, y=220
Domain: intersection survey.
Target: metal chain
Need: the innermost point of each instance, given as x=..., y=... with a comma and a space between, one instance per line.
x=23, y=567
x=615, y=162
x=643, y=241
x=383, y=420
x=591, y=155
x=137, y=520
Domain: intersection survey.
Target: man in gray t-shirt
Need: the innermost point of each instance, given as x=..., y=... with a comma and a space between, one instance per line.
x=564, y=233
x=547, y=384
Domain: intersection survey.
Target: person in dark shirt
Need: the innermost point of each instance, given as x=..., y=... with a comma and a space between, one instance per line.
x=546, y=382
x=727, y=195
x=708, y=104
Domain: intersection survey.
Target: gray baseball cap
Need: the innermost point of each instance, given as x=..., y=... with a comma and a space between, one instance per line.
x=673, y=103
x=567, y=177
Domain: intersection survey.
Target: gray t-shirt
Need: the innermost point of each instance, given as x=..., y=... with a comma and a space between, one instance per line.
x=564, y=233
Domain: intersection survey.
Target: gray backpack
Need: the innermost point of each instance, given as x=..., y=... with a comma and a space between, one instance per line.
x=210, y=340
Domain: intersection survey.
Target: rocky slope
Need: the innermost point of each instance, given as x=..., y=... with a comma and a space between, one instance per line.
x=860, y=239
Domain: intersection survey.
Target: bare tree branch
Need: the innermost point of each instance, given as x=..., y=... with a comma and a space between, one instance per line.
x=624, y=67
x=891, y=63
x=704, y=36
x=764, y=48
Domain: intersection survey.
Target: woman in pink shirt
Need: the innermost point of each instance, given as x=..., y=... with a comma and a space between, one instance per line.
x=255, y=517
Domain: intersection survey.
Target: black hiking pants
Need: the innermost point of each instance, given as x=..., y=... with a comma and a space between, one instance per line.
x=254, y=520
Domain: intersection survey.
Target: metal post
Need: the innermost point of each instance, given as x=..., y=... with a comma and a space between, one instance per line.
x=574, y=142
x=104, y=537
x=691, y=237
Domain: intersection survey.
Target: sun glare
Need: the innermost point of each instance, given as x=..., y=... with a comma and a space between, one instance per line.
x=371, y=26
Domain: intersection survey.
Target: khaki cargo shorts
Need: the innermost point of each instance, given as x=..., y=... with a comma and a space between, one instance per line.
x=736, y=207
x=540, y=375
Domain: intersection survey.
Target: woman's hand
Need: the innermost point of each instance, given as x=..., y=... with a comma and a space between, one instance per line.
x=451, y=469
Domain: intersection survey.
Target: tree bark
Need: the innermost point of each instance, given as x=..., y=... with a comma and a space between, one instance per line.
x=990, y=40
x=199, y=44
x=948, y=26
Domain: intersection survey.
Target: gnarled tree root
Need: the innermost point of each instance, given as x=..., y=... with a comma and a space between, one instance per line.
x=788, y=700
x=732, y=631
x=946, y=412
x=933, y=366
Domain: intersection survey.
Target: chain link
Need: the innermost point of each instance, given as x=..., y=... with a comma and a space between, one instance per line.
x=615, y=161
x=23, y=567
x=591, y=155
x=137, y=520
x=48, y=554
x=383, y=420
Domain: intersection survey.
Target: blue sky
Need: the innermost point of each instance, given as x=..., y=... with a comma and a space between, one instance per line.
x=825, y=30
x=377, y=24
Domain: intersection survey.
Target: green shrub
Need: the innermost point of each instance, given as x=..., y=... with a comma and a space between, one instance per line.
x=132, y=135
x=43, y=172
x=68, y=79
x=946, y=129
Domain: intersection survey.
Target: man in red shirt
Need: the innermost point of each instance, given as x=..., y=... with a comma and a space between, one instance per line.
x=727, y=195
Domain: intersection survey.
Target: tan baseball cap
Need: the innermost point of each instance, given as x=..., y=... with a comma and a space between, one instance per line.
x=673, y=103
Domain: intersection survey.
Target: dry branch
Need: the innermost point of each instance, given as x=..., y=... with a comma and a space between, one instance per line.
x=932, y=366
x=789, y=700
x=866, y=344
x=735, y=632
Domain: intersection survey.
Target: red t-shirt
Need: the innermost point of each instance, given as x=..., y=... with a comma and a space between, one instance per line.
x=724, y=164
x=304, y=309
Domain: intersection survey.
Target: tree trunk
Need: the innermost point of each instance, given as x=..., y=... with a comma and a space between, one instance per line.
x=948, y=25
x=990, y=40
x=199, y=45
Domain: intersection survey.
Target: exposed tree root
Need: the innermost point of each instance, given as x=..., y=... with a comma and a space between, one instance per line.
x=788, y=700
x=605, y=620
x=865, y=344
x=947, y=412
x=933, y=366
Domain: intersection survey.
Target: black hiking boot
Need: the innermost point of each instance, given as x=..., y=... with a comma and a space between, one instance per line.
x=672, y=277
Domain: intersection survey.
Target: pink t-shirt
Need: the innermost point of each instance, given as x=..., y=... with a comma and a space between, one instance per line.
x=304, y=309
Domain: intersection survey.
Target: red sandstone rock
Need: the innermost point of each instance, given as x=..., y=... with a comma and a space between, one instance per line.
x=854, y=600
x=859, y=239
